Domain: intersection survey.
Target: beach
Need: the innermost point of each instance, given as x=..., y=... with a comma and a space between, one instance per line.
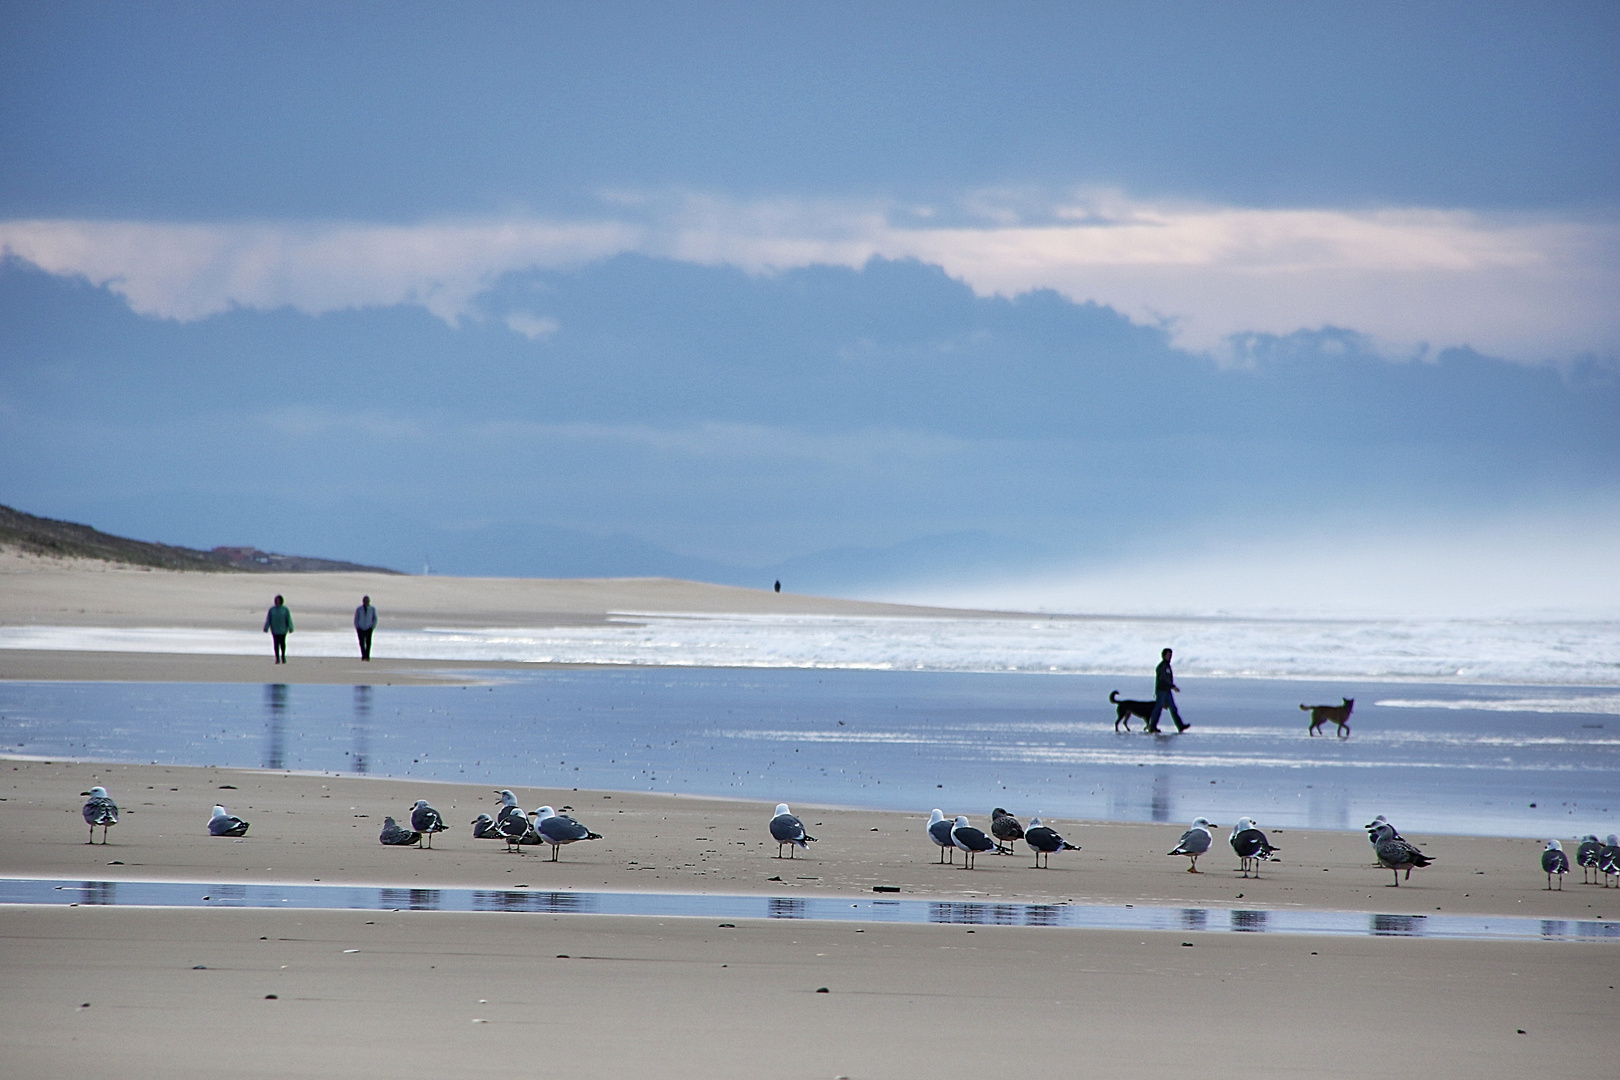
x=145, y=991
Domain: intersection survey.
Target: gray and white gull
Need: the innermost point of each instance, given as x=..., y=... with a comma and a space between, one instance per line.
x=970, y=841
x=788, y=831
x=99, y=810
x=223, y=823
x=1194, y=842
x=1251, y=846
x=1043, y=841
x=559, y=829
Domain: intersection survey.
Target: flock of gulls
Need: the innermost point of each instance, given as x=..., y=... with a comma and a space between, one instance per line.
x=543, y=826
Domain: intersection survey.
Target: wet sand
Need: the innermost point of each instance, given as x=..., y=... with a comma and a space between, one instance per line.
x=308, y=828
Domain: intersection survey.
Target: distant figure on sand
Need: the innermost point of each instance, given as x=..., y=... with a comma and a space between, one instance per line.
x=1164, y=690
x=278, y=624
x=365, y=621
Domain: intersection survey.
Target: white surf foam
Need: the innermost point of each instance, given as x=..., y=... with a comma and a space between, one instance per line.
x=1470, y=651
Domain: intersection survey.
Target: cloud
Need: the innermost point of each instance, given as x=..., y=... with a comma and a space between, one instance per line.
x=1521, y=286
x=533, y=327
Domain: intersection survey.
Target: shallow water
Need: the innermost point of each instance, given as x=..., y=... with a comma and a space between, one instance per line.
x=712, y=906
x=1433, y=758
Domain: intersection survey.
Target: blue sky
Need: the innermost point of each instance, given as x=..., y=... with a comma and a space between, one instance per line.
x=1155, y=307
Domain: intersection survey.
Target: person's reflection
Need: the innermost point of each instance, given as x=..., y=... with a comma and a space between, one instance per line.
x=1159, y=809
x=275, y=751
x=361, y=755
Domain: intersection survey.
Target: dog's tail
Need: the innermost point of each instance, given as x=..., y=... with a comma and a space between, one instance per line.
x=1114, y=697
x=1305, y=708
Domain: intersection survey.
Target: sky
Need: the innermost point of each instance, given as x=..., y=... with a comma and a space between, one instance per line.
x=1128, y=307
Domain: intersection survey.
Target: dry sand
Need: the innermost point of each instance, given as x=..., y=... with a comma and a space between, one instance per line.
x=460, y=995
x=85, y=592
x=40, y=591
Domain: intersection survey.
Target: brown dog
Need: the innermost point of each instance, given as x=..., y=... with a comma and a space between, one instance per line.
x=1125, y=709
x=1339, y=714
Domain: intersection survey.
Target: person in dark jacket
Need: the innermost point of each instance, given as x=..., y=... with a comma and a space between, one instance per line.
x=365, y=621
x=1164, y=691
x=278, y=624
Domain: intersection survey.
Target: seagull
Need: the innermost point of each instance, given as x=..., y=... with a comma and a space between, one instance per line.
x=939, y=831
x=1005, y=828
x=484, y=828
x=1608, y=858
x=1554, y=861
x=559, y=829
x=970, y=840
x=1587, y=855
x=1251, y=846
x=394, y=836
x=100, y=810
x=788, y=831
x=509, y=806
x=1044, y=841
x=1194, y=842
x=1372, y=828
x=1395, y=854
x=426, y=820
x=516, y=829
x=223, y=824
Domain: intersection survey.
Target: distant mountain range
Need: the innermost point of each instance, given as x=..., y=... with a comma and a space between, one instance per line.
x=64, y=539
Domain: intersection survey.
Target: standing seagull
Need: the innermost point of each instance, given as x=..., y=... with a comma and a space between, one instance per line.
x=788, y=831
x=224, y=824
x=970, y=840
x=1608, y=858
x=559, y=829
x=509, y=808
x=1554, y=861
x=1251, y=846
x=426, y=820
x=1395, y=854
x=1005, y=828
x=1044, y=841
x=1194, y=842
x=1372, y=828
x=1587, y=855
x=517, y=830
x=939, y=831
x=100, y=810
x=394, y=836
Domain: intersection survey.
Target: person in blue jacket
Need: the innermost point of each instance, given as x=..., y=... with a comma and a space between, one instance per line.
x=278, y=624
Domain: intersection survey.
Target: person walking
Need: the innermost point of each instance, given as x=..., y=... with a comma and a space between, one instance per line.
x=1164, y=691
x=278, y=624
x=365, y=621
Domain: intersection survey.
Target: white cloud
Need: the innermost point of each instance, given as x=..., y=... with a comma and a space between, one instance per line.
x=533, y=327
x=1522, y=286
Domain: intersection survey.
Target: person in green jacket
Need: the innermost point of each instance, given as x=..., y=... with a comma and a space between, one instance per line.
x=278, y=624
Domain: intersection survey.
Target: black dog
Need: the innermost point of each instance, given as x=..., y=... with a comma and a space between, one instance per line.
x=1126, y=709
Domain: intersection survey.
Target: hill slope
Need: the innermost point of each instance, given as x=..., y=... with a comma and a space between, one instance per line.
x=65, y=539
